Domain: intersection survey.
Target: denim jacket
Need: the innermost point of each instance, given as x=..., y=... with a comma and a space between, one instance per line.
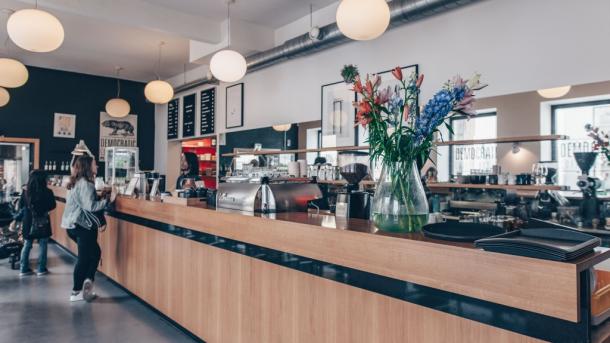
x=81, y=197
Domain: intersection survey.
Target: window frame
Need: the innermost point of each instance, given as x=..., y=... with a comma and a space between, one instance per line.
x=463, y=117
x=556, y=107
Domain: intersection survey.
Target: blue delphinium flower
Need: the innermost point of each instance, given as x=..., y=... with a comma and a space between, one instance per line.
x=434, y=113
x=395, y=104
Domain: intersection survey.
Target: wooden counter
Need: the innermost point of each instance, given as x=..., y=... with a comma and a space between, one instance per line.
x=298, y=277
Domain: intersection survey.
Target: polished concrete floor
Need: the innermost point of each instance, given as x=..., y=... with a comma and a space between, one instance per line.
x=36, y=309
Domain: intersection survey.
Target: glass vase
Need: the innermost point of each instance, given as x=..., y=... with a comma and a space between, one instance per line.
x=400, y=203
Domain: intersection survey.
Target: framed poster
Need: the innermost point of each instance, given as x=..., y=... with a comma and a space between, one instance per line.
x=387, y=80
x=338, y=115
x=64, y=125
x=208, y=110
x=117, y=132
x=188, y=115
x=173, y=108
x=235, y=106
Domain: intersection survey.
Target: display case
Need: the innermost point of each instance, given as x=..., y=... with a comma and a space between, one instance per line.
x=121, y=164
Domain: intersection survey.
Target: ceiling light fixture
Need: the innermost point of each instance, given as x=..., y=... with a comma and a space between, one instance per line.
x=282, y=128
x=228, y=65
x=13, y=73
x=314, y=31
x=4, y=97
x=159, y=91
x=552, y=93
x=363, y=19
x=117, y=107
x=35, y=30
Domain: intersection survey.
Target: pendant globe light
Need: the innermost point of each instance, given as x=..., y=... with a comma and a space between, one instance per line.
x=35, y=30
x=363, y=19
x=13, y=73
x=4, y=97
x=158, y=91
x=228, y=65
x=117, y=107
x=552, y=93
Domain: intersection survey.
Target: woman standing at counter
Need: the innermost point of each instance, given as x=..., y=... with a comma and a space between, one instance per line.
x=189, y=169
x=81, y=199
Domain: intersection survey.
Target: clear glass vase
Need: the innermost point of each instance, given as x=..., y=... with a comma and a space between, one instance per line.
x=400, y=203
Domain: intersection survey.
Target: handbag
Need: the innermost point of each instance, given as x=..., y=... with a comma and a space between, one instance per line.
x=41, y=226
x=95, y=220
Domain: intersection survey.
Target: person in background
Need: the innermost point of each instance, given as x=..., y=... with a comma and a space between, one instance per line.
x=189, y=169
x=82, y=197
x=36, y=200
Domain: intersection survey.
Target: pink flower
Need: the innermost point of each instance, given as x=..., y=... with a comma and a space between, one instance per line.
x=377, y=81
x=420, y=80
x=397, y=73
x=405, y=113
x=384, y=96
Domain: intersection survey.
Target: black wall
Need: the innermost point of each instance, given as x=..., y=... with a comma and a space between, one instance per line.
x=30, y=112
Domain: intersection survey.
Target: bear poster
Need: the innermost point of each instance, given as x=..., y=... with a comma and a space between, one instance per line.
x=117, y=132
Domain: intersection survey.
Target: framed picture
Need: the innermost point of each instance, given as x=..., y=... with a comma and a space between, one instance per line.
x=338, y=115
x=235, y=106
x=386, y=80
x=64, y=125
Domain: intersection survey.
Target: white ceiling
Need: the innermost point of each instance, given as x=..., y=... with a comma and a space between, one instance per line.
x=103, y=34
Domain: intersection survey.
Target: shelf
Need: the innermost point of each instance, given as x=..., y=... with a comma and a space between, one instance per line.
x=507, y=187
x=343, y=182
x=517, y=139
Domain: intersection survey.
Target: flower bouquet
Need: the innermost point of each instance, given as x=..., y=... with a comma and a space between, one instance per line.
x=400, y=136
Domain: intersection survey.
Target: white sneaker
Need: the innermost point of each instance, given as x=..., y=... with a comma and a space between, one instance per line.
x=76, y=296
x=88, y=293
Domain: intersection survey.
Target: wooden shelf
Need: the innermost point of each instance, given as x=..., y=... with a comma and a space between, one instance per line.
x=517, y=139
x=507, y=187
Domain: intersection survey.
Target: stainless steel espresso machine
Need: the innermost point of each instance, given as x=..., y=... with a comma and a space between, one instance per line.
x=266, y=195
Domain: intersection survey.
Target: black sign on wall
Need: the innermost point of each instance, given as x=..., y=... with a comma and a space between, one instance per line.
x=208, y=110
x=172, y=118
x=188, y=116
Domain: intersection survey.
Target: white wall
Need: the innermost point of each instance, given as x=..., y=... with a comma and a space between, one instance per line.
x=517, y=45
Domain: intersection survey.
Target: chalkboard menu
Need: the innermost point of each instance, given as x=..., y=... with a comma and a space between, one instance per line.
x=208, y=105
x=188, y=116
x=172, y=118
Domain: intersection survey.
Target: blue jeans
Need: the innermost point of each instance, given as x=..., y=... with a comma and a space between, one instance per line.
x=42, y=258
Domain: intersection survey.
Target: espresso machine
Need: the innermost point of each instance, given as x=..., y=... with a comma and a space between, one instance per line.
x=589, y=206
x=352, y=202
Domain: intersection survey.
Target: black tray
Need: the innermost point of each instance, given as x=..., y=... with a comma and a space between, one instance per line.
x=553, y=244
x=460, y=232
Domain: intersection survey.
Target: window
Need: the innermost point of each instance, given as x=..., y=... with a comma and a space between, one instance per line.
x=468, y=159
x=570, y=120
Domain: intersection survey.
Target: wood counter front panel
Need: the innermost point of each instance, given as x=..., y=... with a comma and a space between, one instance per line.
x=226, y=297
x=513, y=281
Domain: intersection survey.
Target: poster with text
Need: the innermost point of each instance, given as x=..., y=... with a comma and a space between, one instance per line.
x=64, y=125
x=117, y=132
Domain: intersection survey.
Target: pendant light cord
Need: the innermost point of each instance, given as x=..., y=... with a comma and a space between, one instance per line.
x=159, y=61
x=118, y=82
x=310, y=16
x=229, y=23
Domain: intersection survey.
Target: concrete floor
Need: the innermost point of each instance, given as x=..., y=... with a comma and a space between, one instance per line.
x=36, y=309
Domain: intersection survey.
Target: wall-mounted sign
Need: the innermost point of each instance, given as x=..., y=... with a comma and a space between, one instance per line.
x=64, y=125
x=188, y=116
x=172, y=118
x=208, y=110
x=117, y=132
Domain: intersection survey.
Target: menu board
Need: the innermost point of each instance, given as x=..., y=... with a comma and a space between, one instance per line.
x=188, y=116
x=172, y=118
x=208, y=106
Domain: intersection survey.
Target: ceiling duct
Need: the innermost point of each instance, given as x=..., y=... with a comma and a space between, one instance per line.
x=401, y=12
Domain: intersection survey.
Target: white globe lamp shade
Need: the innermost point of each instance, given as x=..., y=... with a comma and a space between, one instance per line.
x=35, y=30
x=117, y=108
x=363, y=19
x=12, y=73
x=159, y=92
x=552, y=93
x=282, y=127
x=4, y=97
x=228, y=66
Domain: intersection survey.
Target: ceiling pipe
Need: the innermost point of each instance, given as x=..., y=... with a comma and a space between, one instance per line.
x=401, y=12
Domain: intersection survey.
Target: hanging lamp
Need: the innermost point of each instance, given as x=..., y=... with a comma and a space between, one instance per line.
x=4, y=97
x=13, y=73
x=363, y=19
x=159, y=91
x=228, y=65
x=556, y=92
x=35, y=30
x=118, y=107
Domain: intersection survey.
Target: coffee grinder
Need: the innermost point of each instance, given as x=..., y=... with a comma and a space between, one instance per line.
x=352, y=202
x=589, y=207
